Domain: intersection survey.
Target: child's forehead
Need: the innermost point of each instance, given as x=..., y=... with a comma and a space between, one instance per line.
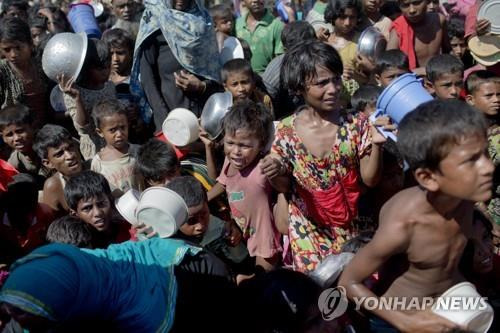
x=62, y=146
x=488, y=85
x=241, y=73
x=91, y=198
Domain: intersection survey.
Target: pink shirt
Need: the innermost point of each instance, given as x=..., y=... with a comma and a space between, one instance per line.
x=249, y=195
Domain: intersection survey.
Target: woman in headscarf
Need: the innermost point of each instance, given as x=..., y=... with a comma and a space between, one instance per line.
x=129, y=287
x=176, y=59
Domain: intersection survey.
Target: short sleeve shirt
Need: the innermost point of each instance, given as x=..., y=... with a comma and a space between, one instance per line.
x=264, y=41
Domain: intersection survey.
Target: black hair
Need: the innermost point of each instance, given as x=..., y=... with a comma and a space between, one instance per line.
x=22, y=192
x=300, y=63
x=297, y=32
x=98, y=56
x=50, y=136
x=118, y=38
x=250, y=116
x=190, y=189
x=38, y=22
x=220, y=11
x=247, y=51
x=477, y=78
x=391, y=58
x=106, y=108
x=15, y=115
x=282, y=300
x=364, y=96
x=390, y=9
x=427, y=134
x=14, y=29
x=456, y=27
x=236, y=66
x=443, y=64
x=86, y=185
x=156, y=160
x=20, y=4
x=335, y=9
x=70, y=230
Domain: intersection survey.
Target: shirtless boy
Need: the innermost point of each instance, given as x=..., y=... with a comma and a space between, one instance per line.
x=58, y=151
x=419, y=34
x=424, y=229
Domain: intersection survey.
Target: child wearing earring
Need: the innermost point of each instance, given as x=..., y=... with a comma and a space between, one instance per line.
x=248, y=129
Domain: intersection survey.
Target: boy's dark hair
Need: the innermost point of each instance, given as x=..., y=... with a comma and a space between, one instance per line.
x=220, y=11
x=50, y=136
x=236, y=66
x=105, y=108
x=456, y=27
x=98, y=56
x=443, y=64
x=299, y=64
x=20, y=4
x=70, y=230
x=22, y=194
x=247, y=51
x=390, y=9
x=156, y=160
x=190, y=189
x=38, y=22
x=15, y=115
x=251, y=116
x=427, y=134
x=391, y=58
x=15, y=29
x=477, y=78
x=85, y=185
x=118, y=38
x=297, y=32
x=364, y=96
x=335, y=9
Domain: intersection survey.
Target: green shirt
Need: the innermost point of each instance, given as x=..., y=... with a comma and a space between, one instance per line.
x=264, y=41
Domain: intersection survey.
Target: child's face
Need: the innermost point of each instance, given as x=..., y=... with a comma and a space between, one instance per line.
x=369, y=109
x=322, y=93
x=466, y=172
x=36, y=34
x=124, y=9
x=15, y=52
x=433, y=6
x=18, y=137
x=413, y=10
x=98, y=76
x=372, y=6
x=241, y=148
x=114, y=130
x=448, y=85
x=64, y=159
x=95, y=211
x=198, y=219
x=389, y=75
x=486, y=98
x=224, y=24
x=121, y=60
x=240, y=84
x=483, y=248
x=458, y=47
x=346, y=23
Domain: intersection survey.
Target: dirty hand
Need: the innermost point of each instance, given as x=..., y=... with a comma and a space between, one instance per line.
x=233, y=233
x=272, y=166
x=142, y=229
x=323, y=34
x=188, y=82
x=205, y=138
x=67, y=86
x=385, y=123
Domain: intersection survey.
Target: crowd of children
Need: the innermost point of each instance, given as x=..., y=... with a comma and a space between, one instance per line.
x=299, y=174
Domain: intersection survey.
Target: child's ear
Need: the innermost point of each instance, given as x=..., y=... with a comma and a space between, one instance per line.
x=46, y=163
x=427, y=179
x=99, y=132
x=469, y=99
x=429, y=86
x=377, y=79
x=72, y=212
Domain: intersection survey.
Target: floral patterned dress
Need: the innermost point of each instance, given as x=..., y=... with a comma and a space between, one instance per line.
x=325, y=191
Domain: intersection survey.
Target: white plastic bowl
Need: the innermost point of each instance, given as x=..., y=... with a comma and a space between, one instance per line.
x=474, y=320
x=162, y=209
x=127, y=204
x=181, y=127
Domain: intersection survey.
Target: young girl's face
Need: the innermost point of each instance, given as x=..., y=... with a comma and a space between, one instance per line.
x=121, y=60
x=17, y=53
x=346, y=23
x=458, y=47
x=323, y=91
x=241, y=148
x=114, y=130
x=240, y=84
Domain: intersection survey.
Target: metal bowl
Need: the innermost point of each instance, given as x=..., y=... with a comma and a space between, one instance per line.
x=214, y=111
x=371, y=43
x=64, y=54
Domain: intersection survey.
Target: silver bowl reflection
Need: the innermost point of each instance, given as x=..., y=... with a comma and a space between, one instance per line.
x=214, y=111
x=64, y=54
x=371, y=43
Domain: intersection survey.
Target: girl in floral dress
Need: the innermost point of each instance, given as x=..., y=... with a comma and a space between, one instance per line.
x=325, y=156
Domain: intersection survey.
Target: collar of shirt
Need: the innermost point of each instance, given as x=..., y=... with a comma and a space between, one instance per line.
x=266, y=20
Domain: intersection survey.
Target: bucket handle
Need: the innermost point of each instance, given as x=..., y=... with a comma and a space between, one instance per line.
x=385, y=133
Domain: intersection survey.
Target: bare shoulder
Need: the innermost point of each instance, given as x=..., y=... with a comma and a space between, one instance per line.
x=403, y=206
x=53, y=191
x=52, y=183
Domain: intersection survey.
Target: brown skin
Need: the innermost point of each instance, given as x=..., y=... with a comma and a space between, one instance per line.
x=430, y=31
x=114, y=130
x=121, y=64
x=389, y=75
x=429, y=227
x=124, y=9
x=486, y=98
x=256, y=11
x=447, y=86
